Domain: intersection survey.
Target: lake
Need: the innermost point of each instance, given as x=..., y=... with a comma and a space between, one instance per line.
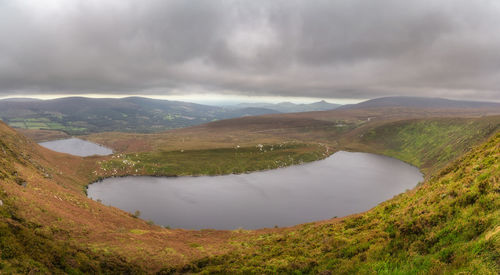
x=77, y=147
x=342, y=184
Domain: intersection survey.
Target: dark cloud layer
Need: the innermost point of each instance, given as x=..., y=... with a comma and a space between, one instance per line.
x=311, y=48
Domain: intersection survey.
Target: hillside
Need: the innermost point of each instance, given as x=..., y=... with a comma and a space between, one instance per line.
x=31, y=236
x=49, y=226
x=426, y=143
x=78, y=115
x=450, y=224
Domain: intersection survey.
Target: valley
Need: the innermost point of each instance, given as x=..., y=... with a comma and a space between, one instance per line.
x=79, y=115
x=49, y=225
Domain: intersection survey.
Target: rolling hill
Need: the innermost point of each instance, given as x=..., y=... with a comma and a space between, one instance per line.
x=78, y=115
x=46, y=119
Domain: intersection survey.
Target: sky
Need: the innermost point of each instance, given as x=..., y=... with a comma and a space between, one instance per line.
x=343, y=51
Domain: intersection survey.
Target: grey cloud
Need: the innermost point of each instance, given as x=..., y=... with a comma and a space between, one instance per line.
x=314, y=48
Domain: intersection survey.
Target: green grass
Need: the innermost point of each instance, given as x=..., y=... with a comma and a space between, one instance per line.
x=35, y=125
x=213, y=161
x=450, y=224
x=429, y=143
x=47, y=123
x=24, y=249
x=17, y=124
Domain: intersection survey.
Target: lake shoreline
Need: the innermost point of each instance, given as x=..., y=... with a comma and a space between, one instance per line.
x=244, y=192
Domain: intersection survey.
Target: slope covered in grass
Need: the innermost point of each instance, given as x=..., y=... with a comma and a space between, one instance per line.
x=427, y=143
x=49, y=226
x=27, y=246
x=449, y=224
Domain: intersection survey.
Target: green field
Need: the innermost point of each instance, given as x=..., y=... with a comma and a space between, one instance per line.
x=212, y=161
x=45, y=124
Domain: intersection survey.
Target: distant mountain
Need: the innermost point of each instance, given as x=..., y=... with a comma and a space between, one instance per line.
x=419, y=102
x=80, y=115
x=250, y=111
x=288, y=107
x=20, y=99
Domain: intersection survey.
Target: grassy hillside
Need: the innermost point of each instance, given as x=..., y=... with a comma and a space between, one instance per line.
x=449, y=224
x=48, y=225
x=27, y=246
x=426, y=143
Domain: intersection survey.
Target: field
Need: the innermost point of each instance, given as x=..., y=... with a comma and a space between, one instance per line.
x=46, y=123
x=211, y=161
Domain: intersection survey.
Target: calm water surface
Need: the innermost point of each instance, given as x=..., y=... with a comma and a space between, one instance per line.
x=343, y=184
x=77, y=147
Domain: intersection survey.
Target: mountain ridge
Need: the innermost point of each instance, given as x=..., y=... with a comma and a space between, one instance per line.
x=419, y=102
x=289, y=107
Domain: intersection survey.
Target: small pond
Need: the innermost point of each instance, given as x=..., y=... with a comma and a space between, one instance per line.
x=343, y=184
x=77, y=147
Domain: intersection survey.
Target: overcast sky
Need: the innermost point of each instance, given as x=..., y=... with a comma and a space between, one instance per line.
x=352, y=49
